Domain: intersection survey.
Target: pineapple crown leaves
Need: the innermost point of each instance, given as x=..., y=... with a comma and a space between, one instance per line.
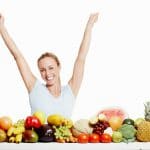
x=147, y=107
x=147, y=110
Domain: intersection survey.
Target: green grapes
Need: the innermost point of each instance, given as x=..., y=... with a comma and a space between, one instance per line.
x=62, y=132
x=19, y=123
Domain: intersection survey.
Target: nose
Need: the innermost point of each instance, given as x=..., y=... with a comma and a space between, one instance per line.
x=47, y=72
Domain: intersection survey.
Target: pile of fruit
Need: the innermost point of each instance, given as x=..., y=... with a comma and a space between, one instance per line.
x=108, y=125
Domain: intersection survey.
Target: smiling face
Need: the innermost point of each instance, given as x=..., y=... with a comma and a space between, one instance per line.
x=49, y=70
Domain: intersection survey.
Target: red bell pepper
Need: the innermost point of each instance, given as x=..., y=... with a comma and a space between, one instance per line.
x=32, y=122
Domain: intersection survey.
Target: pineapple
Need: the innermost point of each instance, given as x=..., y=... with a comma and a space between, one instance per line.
x=143, y=128
x=143, y=131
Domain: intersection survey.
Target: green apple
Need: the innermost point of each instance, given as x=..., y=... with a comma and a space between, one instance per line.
x=41, y=116
x=138, y=121
x=117, y=136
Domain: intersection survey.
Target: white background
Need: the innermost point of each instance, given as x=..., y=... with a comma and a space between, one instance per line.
x=117, y=71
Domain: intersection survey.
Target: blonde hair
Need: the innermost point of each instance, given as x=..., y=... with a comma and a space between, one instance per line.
x=49, y=54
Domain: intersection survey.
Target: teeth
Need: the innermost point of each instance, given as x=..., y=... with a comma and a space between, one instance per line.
x=50, y=78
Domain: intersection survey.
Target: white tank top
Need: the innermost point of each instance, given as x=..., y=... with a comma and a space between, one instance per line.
x=41, y=99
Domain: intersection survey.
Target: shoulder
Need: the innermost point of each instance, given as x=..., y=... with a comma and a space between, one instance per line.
x=67, y=89
x=37, y=85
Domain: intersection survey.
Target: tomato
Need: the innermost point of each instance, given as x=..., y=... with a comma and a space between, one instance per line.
x=105, y=138
x=94, y=138
x=83, y=138
x=5, y=122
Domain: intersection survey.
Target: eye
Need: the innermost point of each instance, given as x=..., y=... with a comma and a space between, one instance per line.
x=42, y=70
x=50, y=68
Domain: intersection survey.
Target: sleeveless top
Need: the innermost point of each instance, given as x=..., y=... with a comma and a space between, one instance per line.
x=42, y=100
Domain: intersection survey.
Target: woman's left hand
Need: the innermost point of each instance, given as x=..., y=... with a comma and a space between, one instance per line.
x=1, y=20
x=92, y=19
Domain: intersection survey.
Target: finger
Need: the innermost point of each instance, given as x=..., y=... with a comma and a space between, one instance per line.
x=95, y=14
x=1, y=15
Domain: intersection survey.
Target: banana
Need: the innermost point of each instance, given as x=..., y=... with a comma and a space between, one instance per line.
x=10, y=131
x=18, y=138
x=11, y=139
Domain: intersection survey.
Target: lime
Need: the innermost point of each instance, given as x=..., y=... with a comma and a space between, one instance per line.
x=128, y=121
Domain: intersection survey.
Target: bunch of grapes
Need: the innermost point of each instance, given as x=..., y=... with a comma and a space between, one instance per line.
x=100, y=126
x=19, y=123
x=15, y=133
x=63, y=134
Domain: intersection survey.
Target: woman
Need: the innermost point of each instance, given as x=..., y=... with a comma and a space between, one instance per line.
x=52, y=97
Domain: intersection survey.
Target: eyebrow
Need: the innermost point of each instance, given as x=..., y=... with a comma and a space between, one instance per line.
x=48, y=66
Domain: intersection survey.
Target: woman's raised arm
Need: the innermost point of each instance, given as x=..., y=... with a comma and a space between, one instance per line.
x=27, y=76
x=78, y=69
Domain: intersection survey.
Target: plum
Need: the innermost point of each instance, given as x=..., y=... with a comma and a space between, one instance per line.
x=46, y=133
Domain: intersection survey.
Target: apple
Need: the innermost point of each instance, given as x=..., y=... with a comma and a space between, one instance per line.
x=117, y=137
x=30, y=136
x=41, y=116
x=138, y=121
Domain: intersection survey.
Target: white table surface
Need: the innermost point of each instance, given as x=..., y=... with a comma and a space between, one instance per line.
x=76, y=146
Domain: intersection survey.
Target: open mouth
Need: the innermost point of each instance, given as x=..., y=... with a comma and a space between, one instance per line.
x=50, y=78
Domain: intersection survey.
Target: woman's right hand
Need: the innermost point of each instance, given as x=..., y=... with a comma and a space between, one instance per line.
x=1, y=20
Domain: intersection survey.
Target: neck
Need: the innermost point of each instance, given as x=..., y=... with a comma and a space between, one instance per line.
x=55, y=89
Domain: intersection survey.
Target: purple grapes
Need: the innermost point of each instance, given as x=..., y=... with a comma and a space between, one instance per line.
x=100, y=126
